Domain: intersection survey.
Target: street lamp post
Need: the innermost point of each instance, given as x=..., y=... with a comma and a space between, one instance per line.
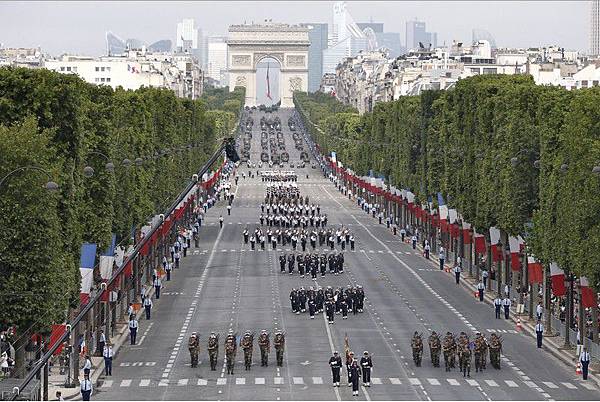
x=50, y=185
x=570, y=278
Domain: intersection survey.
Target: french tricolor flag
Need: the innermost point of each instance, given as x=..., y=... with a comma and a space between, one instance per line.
x=588, y=298
x=557, y=275
x=86, y=268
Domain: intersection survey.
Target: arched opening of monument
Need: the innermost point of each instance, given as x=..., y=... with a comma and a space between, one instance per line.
x=268, y=75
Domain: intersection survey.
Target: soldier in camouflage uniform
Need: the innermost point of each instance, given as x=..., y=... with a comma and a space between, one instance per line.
x=264, y=344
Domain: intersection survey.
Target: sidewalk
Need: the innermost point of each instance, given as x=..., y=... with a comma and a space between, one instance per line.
x=122, y=335
x=551, y=344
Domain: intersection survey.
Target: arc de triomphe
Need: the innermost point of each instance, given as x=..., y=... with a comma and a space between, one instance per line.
x=247, y=45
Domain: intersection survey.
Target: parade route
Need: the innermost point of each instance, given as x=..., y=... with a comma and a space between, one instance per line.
x=224, y=285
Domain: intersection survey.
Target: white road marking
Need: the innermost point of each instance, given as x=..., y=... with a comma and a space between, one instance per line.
x=376, y=380
x=259, y=381
x=125, y=383
x=240, y=381
x=452, y=381
x=107, y=384
x=221, y=381
x=414, y=381
x=511, y=384
x=202, y=381
x=144, y=383
x=395, y=381
x=433, y=381
x=182, y=382
x=491, y=383
x=298, y=380
x=550, y=385
x=317, y=380
x=278, y=380
x=569, y=385
x=588, y=386
x=472, y=383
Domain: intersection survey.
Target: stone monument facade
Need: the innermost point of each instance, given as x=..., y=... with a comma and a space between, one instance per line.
x=247, y=45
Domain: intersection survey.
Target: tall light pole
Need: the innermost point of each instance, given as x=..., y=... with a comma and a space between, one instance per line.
x=50, y=185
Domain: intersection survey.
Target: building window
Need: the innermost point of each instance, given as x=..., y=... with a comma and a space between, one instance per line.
x=62, y=69
x=107, y=68
x=101, y=68
x=102, y=79
x=595, y=83
x=75, y=69
x=108, y=79
x=584, y=83
x=68, y=68
x=97, y=68
x=489, y=71
x=97, y=79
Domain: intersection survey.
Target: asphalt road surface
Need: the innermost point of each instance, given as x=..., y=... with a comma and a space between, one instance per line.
x=223, y=285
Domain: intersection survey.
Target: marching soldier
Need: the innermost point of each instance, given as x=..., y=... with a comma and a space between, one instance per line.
x=330, y=310
x=194, y=348
x=252, y=241
x=354, y=374
x=291, y=261
x=230, y=351
x=264, y=344
x=335, y=362
x=506, y=304
x=279, y=343
x=366, y=364
x=312, y=306
x=434, y=348
x=295, y=301
x=343, y=306
x=282, y=261
x=213, y=350
x=247, y=345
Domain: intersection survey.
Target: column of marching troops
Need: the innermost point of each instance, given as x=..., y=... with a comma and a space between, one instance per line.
x=461, y=347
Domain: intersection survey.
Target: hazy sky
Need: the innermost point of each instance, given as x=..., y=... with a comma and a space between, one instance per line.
x=79, y=27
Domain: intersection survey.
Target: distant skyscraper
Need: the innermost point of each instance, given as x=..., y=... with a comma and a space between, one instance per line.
x=390, y=41
x=377, y=27
x=415, y=33
x=187, y=36
x=161, y=46
x=317, y=34
x=482, y=34
x=595, y=28
x=332, y=56
x=217, y=58
x=115, y=46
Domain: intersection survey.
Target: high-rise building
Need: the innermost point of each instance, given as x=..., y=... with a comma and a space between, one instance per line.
x=317, y=34
x=217, y=59
x=377, y=27
x=187, y=36
x=416, y=33
x=332, y=56
x=595, y=28
x=391, y=41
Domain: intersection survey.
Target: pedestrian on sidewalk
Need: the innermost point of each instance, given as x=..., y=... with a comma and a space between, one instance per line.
x=157, y=286
x=168, y=269
x=402, y=234
x=506, y=291
x=506, y=304
x=426, y=249
x=539, y=310
x=108, y=357
x=584, y=359
x=177, y=258
x=101, y=342
x=457, y=270
x=172, y=252
x=59, y=396
x=480, y=289
x=133, y=327
x=442, y=257
x=414, y=242
x=86, y=388
x=147, y=306
x=484, y=277
x=130, y=310
x=497, y=306
x=221, y=221
x=87, y=365
x=184, y=246
x=539, y=331
x=228, y=209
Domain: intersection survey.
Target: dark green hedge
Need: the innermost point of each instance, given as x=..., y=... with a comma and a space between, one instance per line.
x=56, y=122
x=461, y=142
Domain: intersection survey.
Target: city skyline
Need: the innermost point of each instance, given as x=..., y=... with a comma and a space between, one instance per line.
x=513, y=24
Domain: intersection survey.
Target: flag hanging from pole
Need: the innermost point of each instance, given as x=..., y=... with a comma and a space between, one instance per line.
x=268, y=83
